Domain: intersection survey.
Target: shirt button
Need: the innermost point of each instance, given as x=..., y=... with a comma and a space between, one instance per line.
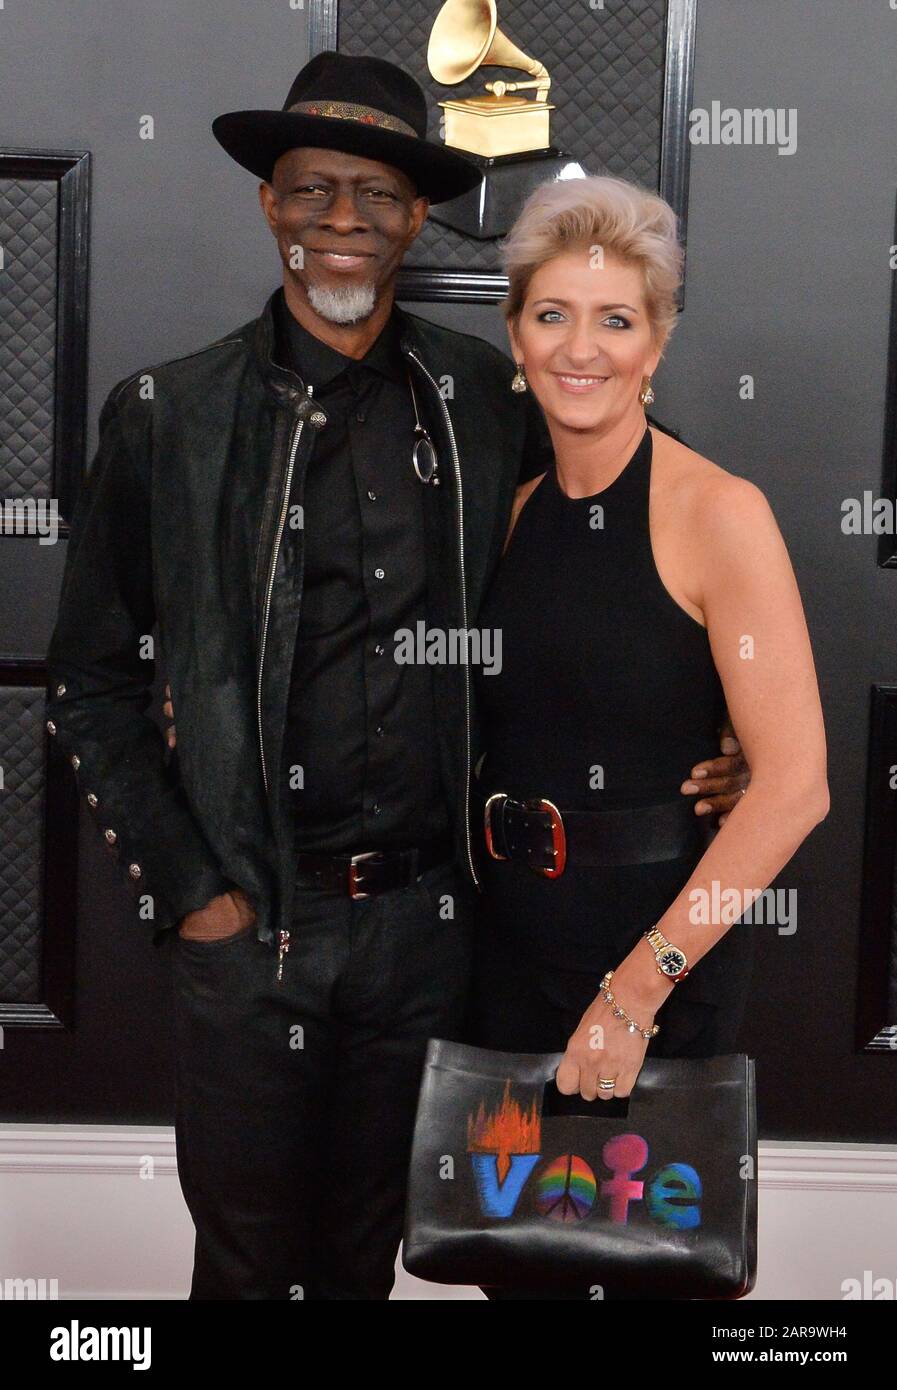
x=360, y=416
x=372, y=494
x=379, y=731
x=379, y=573
x=379, y=649
x=376, y=808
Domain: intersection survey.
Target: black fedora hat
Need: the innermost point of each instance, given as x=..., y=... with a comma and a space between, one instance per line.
x=364, y=106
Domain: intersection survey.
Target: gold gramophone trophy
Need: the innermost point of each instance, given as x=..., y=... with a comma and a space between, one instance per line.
x=506, y=134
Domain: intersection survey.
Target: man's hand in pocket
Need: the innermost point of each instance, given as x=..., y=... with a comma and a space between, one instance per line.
x=224, y=916
x=171, y=736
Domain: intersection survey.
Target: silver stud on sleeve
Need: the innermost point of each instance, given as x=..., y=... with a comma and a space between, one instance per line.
x=91, y=799
x=134, y=870
x=60, y=689
x=110, y=836
x=76, y=761
x=51, y=727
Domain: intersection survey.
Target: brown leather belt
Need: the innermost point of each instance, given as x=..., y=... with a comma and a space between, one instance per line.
x=535, y=832
x=371, y=871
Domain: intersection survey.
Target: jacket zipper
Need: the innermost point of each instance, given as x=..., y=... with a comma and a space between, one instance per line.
x=283, y=936
x=456, y=463
x=266, y=611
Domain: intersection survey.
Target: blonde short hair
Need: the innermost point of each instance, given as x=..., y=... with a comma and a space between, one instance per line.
x=620, y=217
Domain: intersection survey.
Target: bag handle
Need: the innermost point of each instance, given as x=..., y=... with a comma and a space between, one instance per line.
x=555, y=1103
x=617, y=1108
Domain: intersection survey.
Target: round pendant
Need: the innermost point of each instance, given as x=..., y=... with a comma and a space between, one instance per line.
x=423, y=456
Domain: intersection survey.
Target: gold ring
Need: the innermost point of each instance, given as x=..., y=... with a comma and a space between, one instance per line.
x=606, y=1083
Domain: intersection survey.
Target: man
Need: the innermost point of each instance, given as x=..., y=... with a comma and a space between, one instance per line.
x=270, y=501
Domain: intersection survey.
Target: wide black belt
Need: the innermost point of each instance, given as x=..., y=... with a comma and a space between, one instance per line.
x=371, y=871
x=536, y=833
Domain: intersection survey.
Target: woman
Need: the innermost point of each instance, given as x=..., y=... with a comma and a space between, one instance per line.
x=643, y=588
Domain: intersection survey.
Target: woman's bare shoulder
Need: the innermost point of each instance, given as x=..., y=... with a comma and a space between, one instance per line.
x=695, y=488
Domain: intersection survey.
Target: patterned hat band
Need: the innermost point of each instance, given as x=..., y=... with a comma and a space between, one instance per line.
x=352, y=111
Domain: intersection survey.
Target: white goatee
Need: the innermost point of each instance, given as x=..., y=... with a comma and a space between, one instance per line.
x=344, y=305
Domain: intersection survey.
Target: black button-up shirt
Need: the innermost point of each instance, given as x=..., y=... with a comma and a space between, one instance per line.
x=360, y=755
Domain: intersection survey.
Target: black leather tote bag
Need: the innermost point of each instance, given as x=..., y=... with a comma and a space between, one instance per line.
x=652, y=1195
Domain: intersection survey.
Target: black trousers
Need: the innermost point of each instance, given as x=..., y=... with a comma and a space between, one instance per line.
x=295, y=1100
x=520, y=1004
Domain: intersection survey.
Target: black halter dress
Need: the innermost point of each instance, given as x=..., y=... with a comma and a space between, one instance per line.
x=606, y=697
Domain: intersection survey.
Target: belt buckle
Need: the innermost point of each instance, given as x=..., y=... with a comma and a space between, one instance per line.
x=355, y=860
x=487, y=822
x=558, y=836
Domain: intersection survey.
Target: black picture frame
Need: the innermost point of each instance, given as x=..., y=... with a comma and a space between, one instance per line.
x=71, y=171
x=887, y=544
x=876, y=1014
x=59, y=880
x=431, y=284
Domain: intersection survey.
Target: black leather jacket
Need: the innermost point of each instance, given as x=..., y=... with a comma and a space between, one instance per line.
x=180, y=523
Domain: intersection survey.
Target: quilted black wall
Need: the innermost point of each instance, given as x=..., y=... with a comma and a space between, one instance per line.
x=788, y=281
x=28, y=327
x=21, y=868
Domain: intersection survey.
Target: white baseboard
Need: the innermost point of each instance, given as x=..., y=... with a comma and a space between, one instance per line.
x=99, y=1209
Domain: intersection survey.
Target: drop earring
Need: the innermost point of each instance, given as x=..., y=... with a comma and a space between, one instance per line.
x=518, y=382
x=646, y=395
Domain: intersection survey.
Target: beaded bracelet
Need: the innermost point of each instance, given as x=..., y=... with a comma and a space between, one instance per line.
x=607, y=993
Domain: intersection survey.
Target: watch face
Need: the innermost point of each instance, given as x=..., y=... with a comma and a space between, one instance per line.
x=671, y=961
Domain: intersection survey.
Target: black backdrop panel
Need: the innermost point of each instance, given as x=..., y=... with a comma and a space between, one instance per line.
x=28, y=291
x=877, y=983
x=21, y=851
x=38, y=858
x=44, y=222
x=887, y=545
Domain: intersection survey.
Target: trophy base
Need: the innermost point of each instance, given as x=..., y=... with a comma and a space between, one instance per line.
x=489, y=211
x=493, y=126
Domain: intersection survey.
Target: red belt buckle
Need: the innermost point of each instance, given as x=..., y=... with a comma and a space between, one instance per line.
x=354, y=891
x=558, y=836
x=487, y=822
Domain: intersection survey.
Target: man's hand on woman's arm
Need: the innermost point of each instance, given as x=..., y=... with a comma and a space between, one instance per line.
x=721, y=781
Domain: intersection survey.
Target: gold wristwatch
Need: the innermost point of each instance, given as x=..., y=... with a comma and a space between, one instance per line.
x=670, y=960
